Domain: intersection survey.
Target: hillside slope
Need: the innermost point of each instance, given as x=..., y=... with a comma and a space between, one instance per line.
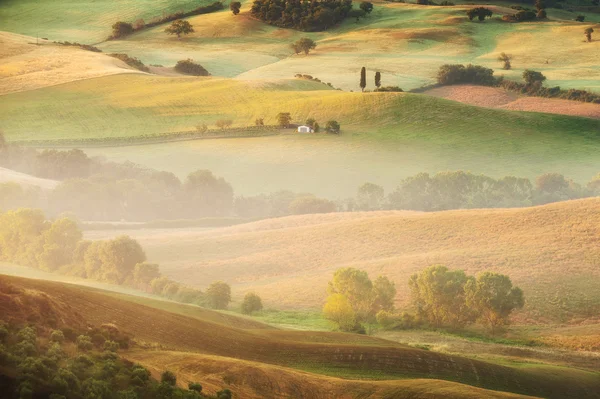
x=8, y=175
x=550, y=251
x=371, y=359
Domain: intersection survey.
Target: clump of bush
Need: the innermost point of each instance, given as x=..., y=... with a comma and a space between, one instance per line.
x=388, y=89
x=521, y=16
x=189, y=67
x=82, y=46
x=457, y=74
x=131, y=61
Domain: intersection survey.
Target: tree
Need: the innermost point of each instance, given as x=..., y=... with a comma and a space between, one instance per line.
x=84, y=343
x=542, y=14
x=439, y=297
x=168, y=377
x=540, y=6
x=377, y=79
x=310, y=122
x=304, y=44
x=194, y=386
x=332, y=127
x=235, y=6
x=480, y=12
x=357, y=287
x=505, y=59
x=120, y=29
x=493, y=297
x=551, y=183
x=588, y=34
x=339, y=310
x=580, y=18
x=284, y=119
x=180, y=27
x=358, y=14
x=384, y=294
x=189, y=67
x=208, y=194
x=310, y=204
x=218, y=295
x=363, y=78
x=370, y=197
x=252, y=303
x=533, y=77
x=366, y=6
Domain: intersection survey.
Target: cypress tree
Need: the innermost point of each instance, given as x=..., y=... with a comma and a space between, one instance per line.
x=363, y=78
x=377, y=79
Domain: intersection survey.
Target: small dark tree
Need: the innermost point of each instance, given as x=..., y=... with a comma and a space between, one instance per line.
x=363, y=78
x=180, y=27
x=480, y=12
x=377, y=79
x=224, y=394
x=366, y=6
x=252, y=303
x=533, y=77
x=580, y=18
x=168, y=378
x=588, y=33
x=284, y=119
x=332, y=127
x=304, y=44
x=235, y=7
x=120, y=29
x=505, y=59
x=194, y=386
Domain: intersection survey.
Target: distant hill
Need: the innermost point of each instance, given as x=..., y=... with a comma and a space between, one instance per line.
x=203, y=348
x=7, y=175
x=550, y=251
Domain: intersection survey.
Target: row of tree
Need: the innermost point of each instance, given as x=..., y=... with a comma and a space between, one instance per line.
x=441, y=298
x=29, y=239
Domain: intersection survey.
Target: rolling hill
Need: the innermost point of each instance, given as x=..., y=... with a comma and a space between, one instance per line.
x=550, y=251
x=370, y=359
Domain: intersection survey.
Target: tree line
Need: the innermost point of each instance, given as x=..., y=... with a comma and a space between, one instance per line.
x=441, y=298
x=27, y=238
x=69, y=364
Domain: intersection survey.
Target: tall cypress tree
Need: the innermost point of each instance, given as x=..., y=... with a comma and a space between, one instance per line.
x=377, y=79
x=363, y=78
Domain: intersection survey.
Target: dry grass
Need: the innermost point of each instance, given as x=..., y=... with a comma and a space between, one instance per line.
x=492, y=97
x=550, y=251
x=27, y=66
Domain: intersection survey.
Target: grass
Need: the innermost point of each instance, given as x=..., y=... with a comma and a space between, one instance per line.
x=548, y=251
x=196, y=339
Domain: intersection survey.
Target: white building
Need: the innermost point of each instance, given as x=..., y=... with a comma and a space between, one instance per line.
x=305, y=129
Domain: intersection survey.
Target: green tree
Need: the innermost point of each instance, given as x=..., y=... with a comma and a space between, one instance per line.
x=480, y=12
x=332, y=127
x=84, y=343
x=533, y=78
x=180, y=27
x=194, y=386
x=366, y=6
x=284, y=119
x=252, y=303
x=168, y=377
x=588, y=33
x=438, y=295
x=218, y=295
x=235, y=6
x=505, y=59
x=377, y=79
x=57, y=336
x=493, y=297
x=304, y=45
x=120, y=29
x=339, y=310
x=363, y=78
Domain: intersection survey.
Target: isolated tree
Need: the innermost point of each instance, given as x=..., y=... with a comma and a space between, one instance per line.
x=284, y=119
x=493, y=297
x=252, y=303
x=377, y=79
x=505, y=59
x=366, y=6
x=120, y=29
x=358, y=14
x=304, y=45
x=439, y=297
x=370, y=197
x=332, y=127
x=180, y=27
x=339, y=310
x=588, y=33
x=235, y=6
x=533, y=77
x=218, y=295
x=363, y=78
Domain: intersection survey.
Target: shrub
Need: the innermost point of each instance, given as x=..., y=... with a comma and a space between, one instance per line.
x=388, y=89
x=525, y=15
x=332, y=127
x=580, y=18
x=111, y=346
x=480, y=12
x=120, y=29
x=252, y=303
x=131, y=61
x=457, y=74
x=57, y=336
x=303, y=45
x=235, y=6
x=194, y=386
x=189, y=67
x=533, y=77
x=169, y=378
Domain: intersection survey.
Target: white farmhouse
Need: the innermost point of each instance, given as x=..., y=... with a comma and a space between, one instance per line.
x=305, y=129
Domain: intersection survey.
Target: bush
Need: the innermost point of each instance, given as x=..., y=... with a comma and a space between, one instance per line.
x=388, y=89
x=194, y=386
x=169, y=378
x=57, y=336
x=457, y=74
x=131, y=61
x=111, y=346
x=525, y=15
x=480, y=12
x=252, y=303
x=332, y=127
x=120, y=29
x=84, y=343
x=189, y=67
